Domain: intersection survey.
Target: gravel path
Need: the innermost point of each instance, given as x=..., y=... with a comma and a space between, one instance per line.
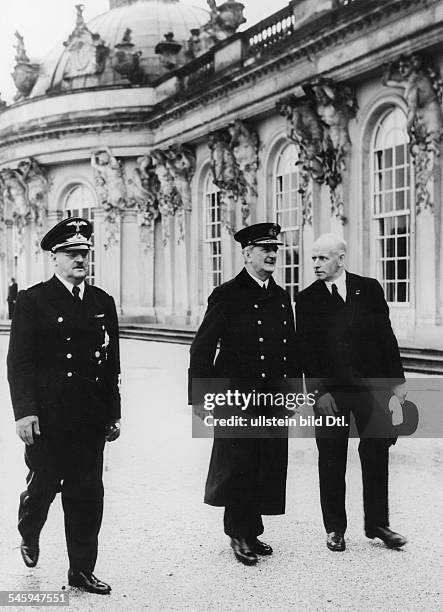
x=161, y=548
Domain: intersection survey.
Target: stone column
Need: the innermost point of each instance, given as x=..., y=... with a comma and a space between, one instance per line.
x=168, y=254
x=425, y=268
x=107, y=261
x=130, y=259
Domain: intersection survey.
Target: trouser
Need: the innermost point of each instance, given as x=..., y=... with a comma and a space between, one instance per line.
x=242, y=521
x=70, y=462
x=332, y=442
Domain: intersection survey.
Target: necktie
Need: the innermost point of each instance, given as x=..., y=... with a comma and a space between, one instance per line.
x=335, y=294
x=264, y=288
x=76, y=293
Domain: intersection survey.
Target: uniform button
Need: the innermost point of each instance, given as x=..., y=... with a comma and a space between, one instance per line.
x=69, y=374
x=255, y=305
x=68, y=339
x=97, y=353
x=99, y=361
x=103, y=327
x=285, y=375
x=68, y=355
x=96, y=380
x=263, y=375
x=284, y=340
x=258, y=322
x=282, y=305
x=285, y=358
x=260, y=339
x=60, y=319
x=262, y=357
x=285, y=322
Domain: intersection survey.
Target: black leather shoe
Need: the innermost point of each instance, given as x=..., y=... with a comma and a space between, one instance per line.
x=389, y=537
x=259, y=547
x=88, y=582
x=30, y=553
x=243, y=551
x=336, y=541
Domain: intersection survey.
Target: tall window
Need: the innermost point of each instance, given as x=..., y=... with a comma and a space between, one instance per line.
x=80, y=202
x=392, y=206
x=288, y=216
x=212, y=235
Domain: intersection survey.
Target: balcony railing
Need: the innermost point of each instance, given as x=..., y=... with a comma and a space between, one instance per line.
x=270, y=31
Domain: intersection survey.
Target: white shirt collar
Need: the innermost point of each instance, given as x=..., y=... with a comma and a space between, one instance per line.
x=258, y=280
x=69, y=285
x=340, y=283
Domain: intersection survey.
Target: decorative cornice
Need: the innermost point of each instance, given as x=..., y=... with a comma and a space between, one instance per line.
x=310, y=40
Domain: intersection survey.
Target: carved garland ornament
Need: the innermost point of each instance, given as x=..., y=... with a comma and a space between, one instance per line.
x=318, y=125
x=109, y=178
x=24, y=192
x=422, y=89
x=234, y=165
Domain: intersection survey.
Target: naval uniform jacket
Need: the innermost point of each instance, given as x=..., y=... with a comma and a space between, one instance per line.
x=63, y=359
x=256, y=335
x=357, y=343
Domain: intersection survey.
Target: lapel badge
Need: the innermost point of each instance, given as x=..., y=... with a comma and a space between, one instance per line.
x=357, y=292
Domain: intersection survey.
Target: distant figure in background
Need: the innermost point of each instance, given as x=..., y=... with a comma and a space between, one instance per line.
x=12, y=297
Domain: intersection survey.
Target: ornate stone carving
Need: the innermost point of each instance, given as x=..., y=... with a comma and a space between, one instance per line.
x=169, y=197
x=38, y=186
x=234, y=163
x=111, y=186
x=143, y=191
x=224, y=21
x=335, y=105
x=25, y=196
x=422, y=89
x=86, y=51
x=305, y=129
x=126, y=61
x=318, y=124
x=181, y=163
x=25, y=72
x=245, y=146
x=168, y=51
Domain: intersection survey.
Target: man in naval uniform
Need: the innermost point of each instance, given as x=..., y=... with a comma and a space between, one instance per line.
x=347, y=346
x=63, y=372
x=251, y=318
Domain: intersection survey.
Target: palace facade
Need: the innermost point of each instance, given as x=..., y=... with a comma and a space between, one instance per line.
x=170, y=129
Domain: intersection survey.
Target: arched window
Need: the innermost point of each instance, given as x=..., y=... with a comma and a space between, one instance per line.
x=287, y=204
x=391, y=206
x=212, y=235
x=80, y=202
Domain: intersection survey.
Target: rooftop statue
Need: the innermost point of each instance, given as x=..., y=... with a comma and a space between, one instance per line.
x=25, y=72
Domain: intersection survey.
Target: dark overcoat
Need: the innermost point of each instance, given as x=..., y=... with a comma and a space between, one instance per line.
x=256, y=334
x=63, y=359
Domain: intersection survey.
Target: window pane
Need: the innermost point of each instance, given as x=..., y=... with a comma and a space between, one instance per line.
x=288, y=204
x=212, y=235
x=391, y=198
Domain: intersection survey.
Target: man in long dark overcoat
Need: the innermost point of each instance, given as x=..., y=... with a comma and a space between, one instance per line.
x=348, y=348
x=63, y=370
x=251, y=318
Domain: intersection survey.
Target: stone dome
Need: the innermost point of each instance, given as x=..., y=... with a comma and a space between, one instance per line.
x=148, y=22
